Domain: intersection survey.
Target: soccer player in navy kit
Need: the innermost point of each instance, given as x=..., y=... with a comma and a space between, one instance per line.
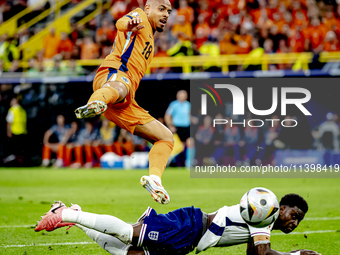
x=179, y=231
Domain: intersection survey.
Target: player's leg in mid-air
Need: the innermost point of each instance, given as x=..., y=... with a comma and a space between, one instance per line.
x=109, y=93
x=115, y=90
x=163, y=143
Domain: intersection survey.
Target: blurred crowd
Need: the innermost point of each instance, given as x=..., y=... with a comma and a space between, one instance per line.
x=240, y=144
x=195, y=27
x=80, y=144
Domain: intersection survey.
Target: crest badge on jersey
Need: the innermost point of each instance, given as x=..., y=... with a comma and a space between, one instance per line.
x=125, y=79
x=153, y=235
x=134, y=14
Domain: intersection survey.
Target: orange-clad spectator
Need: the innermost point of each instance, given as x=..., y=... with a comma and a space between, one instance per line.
x=331, y=42
x=296, y=7
x=229, y=8
x=263, y=11
x=283, y=49
x=214, y=4
x=214, y=21
x=297, y=39
x=182, y=30
x=329, y=20
x=50, y=44
x=161, y=48
x=264, y=21
x=105, y=51
x=107, y=32
x=243, y=42
x=204, y=9
x=65, y=46
x=314, y=36
x=281, y=20
x=202, y=31
x=133, y=4
x=268, y=46
x=186, y=11
x=75, y=34
x=274, y=8
x=286, y=3
x=119, y=9
x=303, y=3
x=247, y=22
x=299, y=18
x=226, y=45
x=89, y=50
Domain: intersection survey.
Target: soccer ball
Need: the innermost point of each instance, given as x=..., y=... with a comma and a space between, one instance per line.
x=259, y=207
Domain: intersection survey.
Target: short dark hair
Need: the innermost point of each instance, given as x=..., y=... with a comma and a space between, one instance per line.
x=292, y=200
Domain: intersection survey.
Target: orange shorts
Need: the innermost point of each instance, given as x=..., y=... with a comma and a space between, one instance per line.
x=126, y=114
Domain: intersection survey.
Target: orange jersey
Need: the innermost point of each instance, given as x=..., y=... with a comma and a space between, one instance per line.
x=132, y=52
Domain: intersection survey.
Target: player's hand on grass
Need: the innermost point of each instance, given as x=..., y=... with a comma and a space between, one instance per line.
x=306, y=252
x=133, y=25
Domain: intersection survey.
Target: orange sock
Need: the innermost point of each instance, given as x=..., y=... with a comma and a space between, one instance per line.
x=107, y=94
x=118, y=149
x=88, y=153
x=68, y=156
x=46, y=152
x=158, y=157
x=79, y=154
x=128, y=146
x=60, y=152
x=108, y=148
x=98, y=151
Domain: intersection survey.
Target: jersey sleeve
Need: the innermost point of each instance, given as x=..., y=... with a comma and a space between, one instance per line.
x=54, y=128
x=137, y=13
x=260, y=231
x=10, y=117
x=214, y=232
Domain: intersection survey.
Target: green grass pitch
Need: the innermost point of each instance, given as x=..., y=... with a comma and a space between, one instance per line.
x=25, y=194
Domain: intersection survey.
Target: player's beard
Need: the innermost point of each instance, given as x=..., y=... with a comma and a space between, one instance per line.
x=159, y=29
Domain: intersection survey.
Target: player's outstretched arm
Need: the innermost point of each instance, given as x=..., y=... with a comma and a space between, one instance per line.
x=265, y=249
x=127, y=24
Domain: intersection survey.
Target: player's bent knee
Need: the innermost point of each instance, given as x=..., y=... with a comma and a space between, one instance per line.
x=119, y=86
x=169, y=138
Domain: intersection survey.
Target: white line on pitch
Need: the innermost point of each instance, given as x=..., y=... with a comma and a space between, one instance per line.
x=43, y=244
x=17, y=226
x=306, y=232
x=323, y=218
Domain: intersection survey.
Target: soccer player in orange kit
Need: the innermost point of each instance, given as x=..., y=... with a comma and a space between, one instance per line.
x=117, y=80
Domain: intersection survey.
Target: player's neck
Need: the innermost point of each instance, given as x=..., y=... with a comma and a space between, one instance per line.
x=276, y=225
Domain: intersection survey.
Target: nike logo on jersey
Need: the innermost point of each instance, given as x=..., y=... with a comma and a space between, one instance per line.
x=150, y=36
x=105, y=244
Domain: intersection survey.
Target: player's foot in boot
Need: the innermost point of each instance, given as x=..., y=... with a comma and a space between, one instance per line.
x=91, y=109
x=156, y=190
x=52, y=219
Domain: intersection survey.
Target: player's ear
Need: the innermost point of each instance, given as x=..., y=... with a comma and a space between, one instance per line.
x=282, y=209
x=147, y=9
